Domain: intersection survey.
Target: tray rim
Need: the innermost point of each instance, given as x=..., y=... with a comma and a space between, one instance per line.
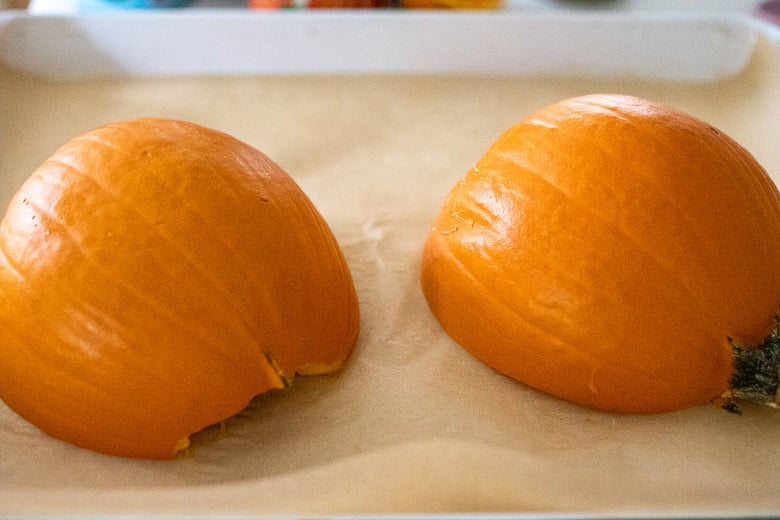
x=707, y=46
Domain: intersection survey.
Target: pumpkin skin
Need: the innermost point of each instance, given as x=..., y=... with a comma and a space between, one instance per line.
x=607, y=250
x=155, y=276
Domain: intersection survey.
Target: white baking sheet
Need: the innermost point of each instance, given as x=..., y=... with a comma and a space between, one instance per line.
x=413, y=424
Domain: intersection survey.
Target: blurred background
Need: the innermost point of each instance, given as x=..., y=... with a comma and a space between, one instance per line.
x=766, y=8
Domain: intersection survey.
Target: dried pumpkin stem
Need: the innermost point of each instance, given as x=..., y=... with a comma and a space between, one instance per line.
x=757, y=370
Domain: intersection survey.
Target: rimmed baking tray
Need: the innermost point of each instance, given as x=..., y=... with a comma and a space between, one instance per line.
x=376, y=115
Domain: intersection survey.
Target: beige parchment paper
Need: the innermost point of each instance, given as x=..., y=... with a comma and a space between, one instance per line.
x=413, y=424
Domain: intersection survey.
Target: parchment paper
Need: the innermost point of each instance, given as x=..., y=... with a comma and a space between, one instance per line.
x=413, y=423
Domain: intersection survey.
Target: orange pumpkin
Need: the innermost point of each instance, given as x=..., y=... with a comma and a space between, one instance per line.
x=612, y=251
x=155, y=276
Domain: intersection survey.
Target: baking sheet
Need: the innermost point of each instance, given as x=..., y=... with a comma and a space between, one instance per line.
x=412, y=424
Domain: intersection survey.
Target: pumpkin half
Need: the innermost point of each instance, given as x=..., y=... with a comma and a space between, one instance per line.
x=155, y=276
x=613, y=252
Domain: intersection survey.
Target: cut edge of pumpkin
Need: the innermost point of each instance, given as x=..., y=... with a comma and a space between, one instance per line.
x=182, y=445
x=756, y=376
x=280, y=380
x=320, y=369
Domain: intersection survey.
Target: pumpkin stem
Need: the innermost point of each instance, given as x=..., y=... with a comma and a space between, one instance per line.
x=756, y=371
